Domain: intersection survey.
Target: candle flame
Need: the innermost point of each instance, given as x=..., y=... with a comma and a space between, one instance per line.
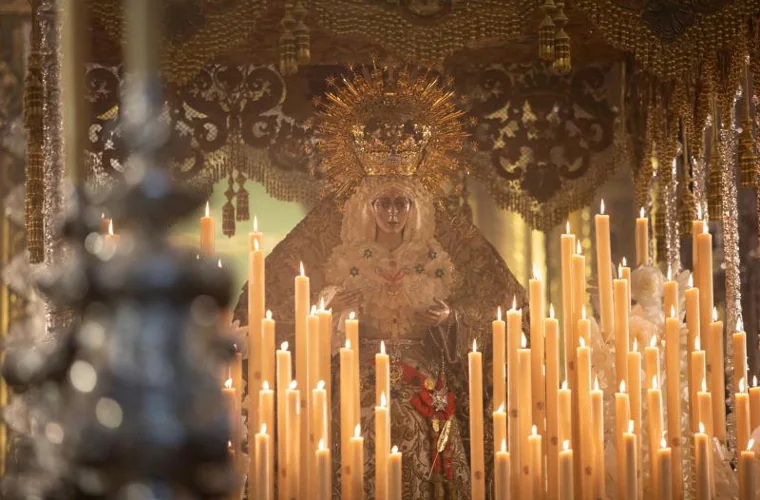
x=501, y=408
x=690, y=283
x=699, y=211
x=596, y=382
x=663, y=443
x=383, y=400
x=653, y=341
x=551, y=311
x=382, y=347
x=352, y=315
x=620, y=271
x=630, y=427
x=564, y=384
x=523, y=341
x=284, y=346
x=625, y=263
x=358, y=430
x=754, y=380
x=583, y=311
x=705, y=228
x=263, y=429
x=228, y=383
x=739, y=325
x=255, y=224
x=622, y=386
x=670, y=273
x=313, y=310
x=265, y=385
x=321, y=444
x=701, y=428
x=498, y=313
x=394, y=449
x=348, y=343
x=102, y=215
x=566, y=444
x=219, y=263
x=750, y=444
x=578, y=247
x=635, y=345
x=269, y=314
x=474, y=345
x=197, y=256
x=672, y=311
x=321, y=385
x=321, y=303
x=110, y=227
x=697, y=343
x=514, y=302
x=534, y=431
x=208, y=210
x=715, y=314
x=582, y=341
x=567, y=227
x=303, y=273
x=293, y=385
x=503, y=445
x=601, y=207
x=742, y=385
x=704, y=384
x=229, y=445
x=256, y=244
x=641, y=213
x=535, y=272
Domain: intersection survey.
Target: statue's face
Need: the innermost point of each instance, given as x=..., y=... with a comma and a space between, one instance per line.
x=392, y=211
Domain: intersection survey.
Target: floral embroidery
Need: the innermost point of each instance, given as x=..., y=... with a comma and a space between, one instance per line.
x=432, y=254
x=354, y=271
x=419, y=268
x=367, y=253
x=439, y=272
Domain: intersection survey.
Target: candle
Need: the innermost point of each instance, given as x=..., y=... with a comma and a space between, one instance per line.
x=105, y=224
x=697, y=228
x=261, y=328
x=578, y=262
x=267, y=354
x=514, y=331
x=621, y=327
x=665, y=474
x=266, y=417
x=705, y=413
x=747, y=473
x=551, y=327
x=262, y=484
x=498, y=328
x=536, y=483
x=654, y=411
x=604, y=270
x=110, y=240
x=525, y=417
x=231, y=402
x=634, y=390
x=670, y=295
x=255, y=238
x=652, y=360
x=293, y=464
x=283, y=382
x=303, y=349
x=692, y=325
x=357, y=464
x=325, y=354
x=382, y=374
x=502, y=472
x=754, y=404
x=566, y=489
x=499, y=426
x=207, y=233
x=702, y=461
x=477, y=457
x=324, y=472
x=673, y=380
x=741, y=404
x=352, y=334
x=625, y=273
x=567, y=246
x=395, y=487
x=716, y=380
x=584, y=406
x=312, y=377
x=382, y=448
x=696, y=376
x=319, y=410
x=348, y=419
x=740, y=353
x=597, y=423
x=565, y=428
x=622, y=418
x=705, y=281
x=631, y=464
x=642, y=239
x=537, y=377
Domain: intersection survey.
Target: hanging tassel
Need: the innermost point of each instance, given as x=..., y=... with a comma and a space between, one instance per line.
x=288, y=59
x=302, y=39
x=747, y=158
x=242, y=205
x=714, y=186
x=546, y=37
x=561, y=64
x=228, y=219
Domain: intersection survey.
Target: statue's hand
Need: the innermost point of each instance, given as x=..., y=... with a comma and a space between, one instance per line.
x=346, y=300
x=435, y=315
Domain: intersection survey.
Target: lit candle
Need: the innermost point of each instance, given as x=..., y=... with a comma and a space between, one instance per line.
x=654, y=412
x=235, y=419
x=263, y=481
x=357, y=464
x=673, y=380
x=325, y=354
x=692, y=325
x=255, y=238
x=631, y=464
x=382, y=448
x=347, y=408
x=705, y=282
x=696, y=376
x=747, y=473
x=634, y=390
x=498, y=328
x=705, y=414
x=584, y=406
x=754, y=404
x=324, y=472
x=293, y=464
x=567, y=246
x=266, y=416
x=670, y=295
x=604, y=271
x=642, y=239
x=525, y=417
x=499, y=426
x=303, y=348
x=716, y=376
x=665, y=474
x=267, y=354
x=105, y=224
x=551, y=327
x=477, y=457
x=382, y=374
x=578, y=263
x=319, y=411
x=312, y=377
x=207, y=233
x=702, y=461
x=652, y=360
x=537, y=377
x=566, y=488
x=536, y=483
x=621, y=327
x=352, y=334
x=625, y=273
x=502, y=472
x=741, y=404
x=395, y=486
x=740, y=353
x=514, y=331
x=565, y=428
x=284, y=378
x=597, y=423
x=261, y=332
x=697, y=228
x=622, y=418
x=110, y=239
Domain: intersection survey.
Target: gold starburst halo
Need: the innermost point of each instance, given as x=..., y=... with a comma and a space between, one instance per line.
x=388, y=122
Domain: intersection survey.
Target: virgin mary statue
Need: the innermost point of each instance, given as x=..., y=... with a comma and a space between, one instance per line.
x=388, y=244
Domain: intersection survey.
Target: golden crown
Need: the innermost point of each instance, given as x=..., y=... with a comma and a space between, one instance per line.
x=388, y=123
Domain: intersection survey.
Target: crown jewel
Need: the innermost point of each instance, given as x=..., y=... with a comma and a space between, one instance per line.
x=385, y=123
